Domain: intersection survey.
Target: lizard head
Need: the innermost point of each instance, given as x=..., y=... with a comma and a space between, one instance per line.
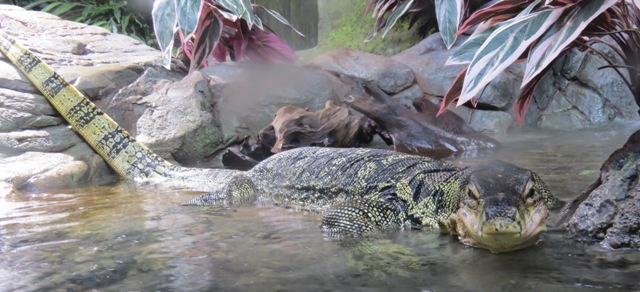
x=502, y=207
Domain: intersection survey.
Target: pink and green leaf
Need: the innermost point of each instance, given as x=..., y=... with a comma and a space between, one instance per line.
x=497, y=9
x=449, y=15
x=242, y=8
x=205, y=38
x=188, y=12
x=454, y=91
x=165, y=25
x=268, y=46
x=503, y=47
x=399, y=11
x=561, y=35
x=465, y=52
x=526, y=96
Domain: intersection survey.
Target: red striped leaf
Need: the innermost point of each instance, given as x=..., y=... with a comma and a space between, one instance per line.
x=503, y=47
x=561, y=34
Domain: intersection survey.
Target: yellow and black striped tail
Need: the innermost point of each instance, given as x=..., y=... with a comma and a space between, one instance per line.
x=128, y=157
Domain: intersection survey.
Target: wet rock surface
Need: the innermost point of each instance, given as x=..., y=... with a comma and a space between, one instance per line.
x=609, y=211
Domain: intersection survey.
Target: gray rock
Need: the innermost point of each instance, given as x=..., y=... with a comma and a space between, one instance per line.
x=50, y=139
x=180, y=120
x=37, y=171
x=103, y=81
x=490, y=121
x=392, y=76
x=503, y=90
x=407, y=96
x=427, y=60
x=20, y=110
x=125, y=107
x=575, y=94
x=7, y=189
x=611, y=211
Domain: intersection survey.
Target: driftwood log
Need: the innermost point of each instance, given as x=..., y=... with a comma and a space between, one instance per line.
x=411, y=131
x=417, y=132
x=292, y=127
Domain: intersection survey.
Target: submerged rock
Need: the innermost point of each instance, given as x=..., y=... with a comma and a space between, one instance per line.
x=609, y=211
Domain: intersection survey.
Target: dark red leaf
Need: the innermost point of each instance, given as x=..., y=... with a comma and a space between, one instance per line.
x=205, y=38
x=454, y=91
x=499, y=8
x=526, y=96
x=369, y=6
x=220, y=52
x=240, y=39
x=268, y=46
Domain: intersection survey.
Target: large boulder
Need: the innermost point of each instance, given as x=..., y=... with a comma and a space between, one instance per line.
x=427, y=59
x=172, y=114
x=609, y=211
x=392, y=76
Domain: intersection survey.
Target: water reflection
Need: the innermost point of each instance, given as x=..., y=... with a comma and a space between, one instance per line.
x=122, y=238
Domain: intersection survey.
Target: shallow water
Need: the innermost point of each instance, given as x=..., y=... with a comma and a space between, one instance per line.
x=119, y=238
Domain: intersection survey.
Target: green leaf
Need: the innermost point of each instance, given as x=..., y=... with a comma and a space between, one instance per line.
x=503, y=47
x=449, y=15
x=125, y=22
x=66, y=7
x=241, y=9
x=102, y=23
x=206, y=38
x=464, y=54
x=395, y=15
x=561, y=35
x=164, y=24
x=118, y=15
x=257, y=22
x=188, y=13
x=37, y=3
x=51, y=6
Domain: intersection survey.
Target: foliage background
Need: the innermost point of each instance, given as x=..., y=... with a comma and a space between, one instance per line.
x=114, y=15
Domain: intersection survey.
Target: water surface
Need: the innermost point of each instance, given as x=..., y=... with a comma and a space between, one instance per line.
x=120, y=238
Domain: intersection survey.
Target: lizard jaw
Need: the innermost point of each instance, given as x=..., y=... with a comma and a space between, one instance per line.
x=512, y=236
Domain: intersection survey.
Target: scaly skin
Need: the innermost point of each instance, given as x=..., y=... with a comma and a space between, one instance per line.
x=493, y=205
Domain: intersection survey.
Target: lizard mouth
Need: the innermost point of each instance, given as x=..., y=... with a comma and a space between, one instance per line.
x=501, y=234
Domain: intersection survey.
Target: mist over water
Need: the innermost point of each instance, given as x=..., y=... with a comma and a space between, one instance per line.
x=119, y=237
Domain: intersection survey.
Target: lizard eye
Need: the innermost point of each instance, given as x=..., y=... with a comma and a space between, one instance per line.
x=473, y=193
x=529, y=191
